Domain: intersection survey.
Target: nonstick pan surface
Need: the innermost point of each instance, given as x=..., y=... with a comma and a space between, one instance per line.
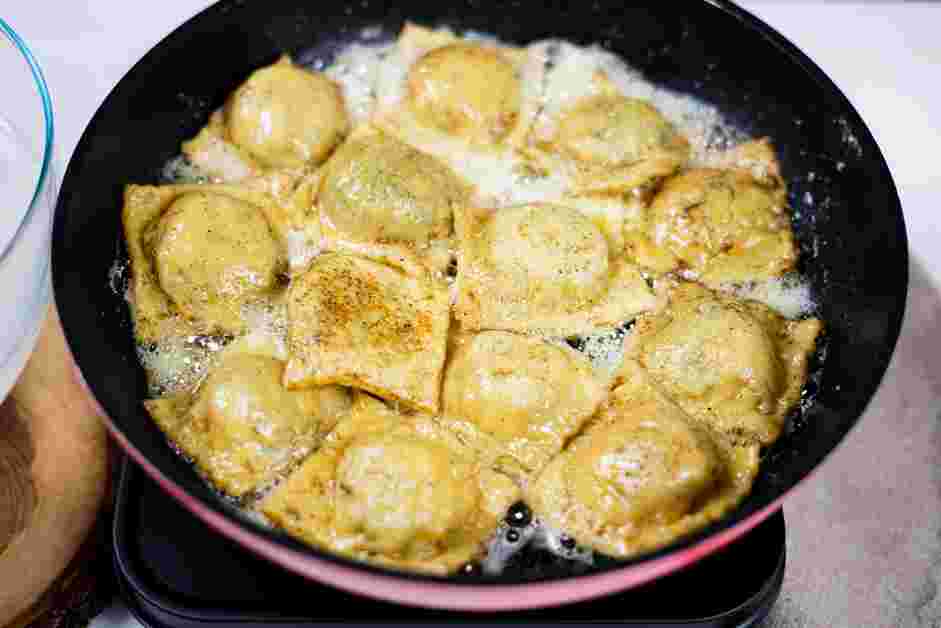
x=848, y=221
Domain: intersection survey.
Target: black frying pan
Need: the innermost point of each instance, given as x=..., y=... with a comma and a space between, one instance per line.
x=852, y=236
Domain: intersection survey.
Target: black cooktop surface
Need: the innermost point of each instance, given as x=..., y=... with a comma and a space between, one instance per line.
x=175, y=572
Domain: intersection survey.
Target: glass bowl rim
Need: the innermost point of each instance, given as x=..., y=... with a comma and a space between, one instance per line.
x=40, y=81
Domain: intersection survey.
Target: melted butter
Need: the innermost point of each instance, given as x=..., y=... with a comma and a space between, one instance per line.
x=177, y=364
x=501, y=177
x=301, y=249
x=356, y=70
x=790, y=295
x=180, y=170
x=604, y=349
x=373, y=75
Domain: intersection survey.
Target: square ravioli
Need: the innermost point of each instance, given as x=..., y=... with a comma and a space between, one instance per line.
x=479, y=91
x=544, y=268
x=359, y=323
x=469, y=103
x=607, y=140
x=282, y=116
x=200, y=254
x=530, y=395
x=642, y=473
x=720, y=225
x=736, y=365
x=240, y=426
x=381, y=198
x=409, y=491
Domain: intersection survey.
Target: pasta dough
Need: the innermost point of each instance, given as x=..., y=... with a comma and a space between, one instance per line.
x=618, y=143
x=544, y=269
x=642, y=473
x=717, y=226
x=198, y=255
x=610, y=129
x=212, y=153
x=736, y=365
x=466, y=89
x=241, y=427
x=286, y=116
x=530, y=395
x=408, y=491
x=356, y=322
x=470, y=105
x=282, y=116
x=482, y=92
x=608, y=141
x=211, y=253
x=382, y=198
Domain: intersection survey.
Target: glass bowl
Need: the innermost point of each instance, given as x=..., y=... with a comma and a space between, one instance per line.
x=27, y=199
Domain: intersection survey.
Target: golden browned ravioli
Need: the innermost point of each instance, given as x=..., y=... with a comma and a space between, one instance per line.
x=429, y=98
x=619, y=143
x=382, y=198
x=199, y=254
x=211, y=252
x=356, y=322
x=641, y=474
x=607, y=141
x=614, y=214
x=543, y=268
x=717, y=226
x=736, y=365
x=530, y=395
x=404, y=490
x=241, y=427
x=469, y=90
x=481, y=93
x=282, y=116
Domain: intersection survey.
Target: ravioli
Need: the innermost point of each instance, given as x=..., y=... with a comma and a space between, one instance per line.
x=640, y=475
x=530, y=395
x=213, y=252
x=495, y=175
x=282, y=116
x=359, y=323
x=380, y=197
x=241, y=427
x=717, y=226
x=466, y=89
x=545, y=269
x=408, y=491
x=615, y=215
x=618, y=143
x=470, y=104
x=607, y=140
x=479, y=91
x=199, y=254
x=736, y=365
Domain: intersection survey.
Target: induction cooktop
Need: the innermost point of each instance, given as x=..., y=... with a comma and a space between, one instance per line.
x=175, y=572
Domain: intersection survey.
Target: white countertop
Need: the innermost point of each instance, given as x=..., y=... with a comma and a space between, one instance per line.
x=863, y=536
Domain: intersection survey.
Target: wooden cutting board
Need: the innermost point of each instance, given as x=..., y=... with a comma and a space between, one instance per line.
x=53, y=476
